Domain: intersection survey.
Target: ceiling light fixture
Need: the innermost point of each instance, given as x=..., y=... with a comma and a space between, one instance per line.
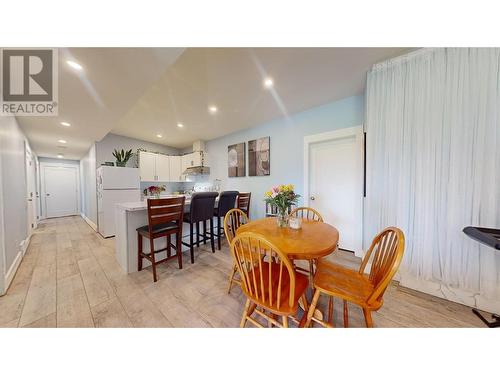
x=64, y=123
x=61, y=141
x=268, y=83
x=212, y=109
x=60, y=156
x=179, y=125
x=74, y=65
x=159, y=135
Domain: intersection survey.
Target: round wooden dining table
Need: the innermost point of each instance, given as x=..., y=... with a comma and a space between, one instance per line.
x=313, y=241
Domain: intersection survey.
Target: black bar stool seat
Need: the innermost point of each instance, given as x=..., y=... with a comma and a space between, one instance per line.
x=201, y=209
x=227, y=201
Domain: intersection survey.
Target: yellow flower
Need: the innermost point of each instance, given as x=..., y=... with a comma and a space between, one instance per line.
x=269, y=193
x=290, y=187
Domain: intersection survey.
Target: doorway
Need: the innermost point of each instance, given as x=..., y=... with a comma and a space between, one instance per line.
x=31, y=191
x=333, y=182
x=60, y=193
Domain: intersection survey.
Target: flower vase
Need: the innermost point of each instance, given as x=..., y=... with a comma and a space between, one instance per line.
x=282, y=219
x=157, y=195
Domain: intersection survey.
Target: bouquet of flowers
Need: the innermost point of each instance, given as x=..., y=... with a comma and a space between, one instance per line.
x=282, y=197
x=155, y=190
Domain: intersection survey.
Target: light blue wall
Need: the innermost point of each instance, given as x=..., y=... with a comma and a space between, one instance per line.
x=287, y=147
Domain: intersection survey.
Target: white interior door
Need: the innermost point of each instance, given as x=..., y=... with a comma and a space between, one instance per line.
x=60, y=191
x=334, y=185
x=31, y=196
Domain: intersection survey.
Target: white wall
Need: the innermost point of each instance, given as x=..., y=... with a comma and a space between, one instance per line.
x=287, y=142
x=88, y=185
x=13, y=190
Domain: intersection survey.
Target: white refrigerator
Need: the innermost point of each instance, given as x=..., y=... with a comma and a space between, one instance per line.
x=114, y=185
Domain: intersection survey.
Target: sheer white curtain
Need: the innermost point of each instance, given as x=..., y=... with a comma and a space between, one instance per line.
x=433, y=167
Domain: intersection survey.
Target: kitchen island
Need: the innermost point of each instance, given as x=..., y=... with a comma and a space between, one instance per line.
x=129, y=217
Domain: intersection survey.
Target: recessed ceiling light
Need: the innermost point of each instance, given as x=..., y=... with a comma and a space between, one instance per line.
x=64, y=123
x=74, y=65
x=159, y=135
x=212, y=109
x=61, y=141
x=60, y=156
x=268, y=83
x=179, y=125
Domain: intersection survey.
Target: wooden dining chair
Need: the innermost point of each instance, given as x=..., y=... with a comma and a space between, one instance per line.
x=306, y=213
x=268, y=279
x=364, y=290
x=243, y=202
x=164, y=220
x=232, y=221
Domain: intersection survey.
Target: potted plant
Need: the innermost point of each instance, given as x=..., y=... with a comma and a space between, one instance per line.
x=122, y=157
x=282, y=197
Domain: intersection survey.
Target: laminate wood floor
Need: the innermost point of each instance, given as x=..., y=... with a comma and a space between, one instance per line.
x=70, y=278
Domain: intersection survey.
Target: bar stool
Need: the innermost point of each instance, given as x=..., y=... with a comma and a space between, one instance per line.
x=164, y=219
x=201, y=209
x=243, y=202
x=227, y=201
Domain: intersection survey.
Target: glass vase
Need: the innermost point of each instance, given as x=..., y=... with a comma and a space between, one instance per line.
x=282, y=219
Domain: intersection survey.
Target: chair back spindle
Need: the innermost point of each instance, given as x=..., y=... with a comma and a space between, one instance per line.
x=268, y=276
x=307, y=213
x=384, y=255
x=234, y=219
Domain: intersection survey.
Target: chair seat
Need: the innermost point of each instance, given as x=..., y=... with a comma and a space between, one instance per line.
x=157, y=228
x=342, y=282
x=301, y=283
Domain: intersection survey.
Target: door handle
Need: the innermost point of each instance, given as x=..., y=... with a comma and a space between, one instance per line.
x=30, y=200
x=48, y=195
x=313, y=197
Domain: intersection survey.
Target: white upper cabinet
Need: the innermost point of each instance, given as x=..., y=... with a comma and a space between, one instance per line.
x=165, y=168
x=162, y=168
x=194, y=159
x=176, y=169
x=147, y=166
x=187, y=161
x=197, y=159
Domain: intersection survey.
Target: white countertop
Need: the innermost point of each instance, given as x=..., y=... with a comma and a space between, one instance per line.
x=142, y=205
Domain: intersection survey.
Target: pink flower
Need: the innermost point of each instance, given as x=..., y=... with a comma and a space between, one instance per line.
x=276, y=189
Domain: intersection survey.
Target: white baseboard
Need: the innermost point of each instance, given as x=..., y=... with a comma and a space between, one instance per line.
x=9, y=276
x=89, y=222
x=465, y=297
x=25, y=244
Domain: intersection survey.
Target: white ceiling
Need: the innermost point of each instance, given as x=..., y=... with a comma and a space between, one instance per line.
x=94, y=99
x=142, y=92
